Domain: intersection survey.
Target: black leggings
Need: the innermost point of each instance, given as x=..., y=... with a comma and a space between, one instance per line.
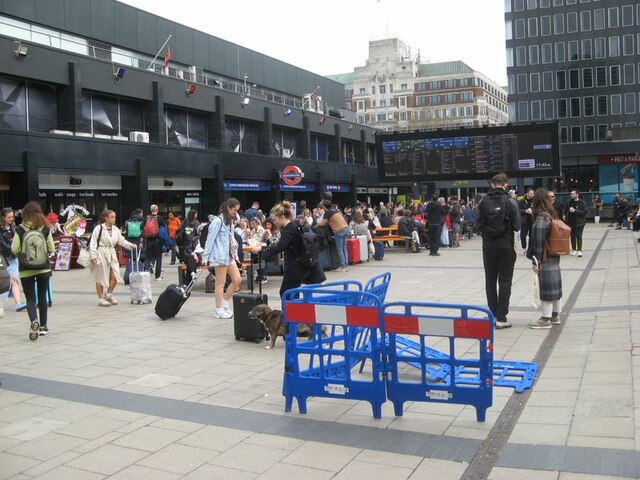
x=576, y=237
x=29, y=288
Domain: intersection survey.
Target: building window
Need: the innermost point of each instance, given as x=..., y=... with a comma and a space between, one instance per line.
x=558, y=3
x=360, y=119
x=602, y=131
x=572, y=22
x=546, y=53
x=523, y=111
x=534, y=81
x=598, y=19
x=614, y=46
x=545, y=25
x=627, y=15
x=533, y=27
x=629, y=103
x=536, y=113
x=532, y=4
x=545, y=3
x=360, y=105
x=518, y=5
x=601, y=47
x=614, y=79
x=547, y=81
x=615, y=106
x=362, y=91
x=588, y=106
x=562, y=107
x=533, y=55
x=509, y=57
x=559, y=52
x=587, y=51
x=383, y=102
x=373, y=90
x=403, y=116
x=572, y=47
x=613, y=17
x=627, y=45
x=558, y=23
x=601, y=76
x=511, y=84
x=561, y=80
x=421, y=101
x=629, y=74
x=587, y=78
x=585, y=20
x=391, y=88
x=521, y=56
x=548, y=110
x=564, y=134
x=403, y=86
x=574, y=79
x=383, y=89
x=575, y=107
x=589, y=132
x=403, y=101
x=602, y=102
x=522, y=83
x=575, y=134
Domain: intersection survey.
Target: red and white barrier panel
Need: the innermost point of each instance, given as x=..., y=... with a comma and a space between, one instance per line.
x=332, y=314
x=440, y=327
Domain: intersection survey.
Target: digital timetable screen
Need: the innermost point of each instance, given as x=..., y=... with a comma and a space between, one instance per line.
x=531, y=150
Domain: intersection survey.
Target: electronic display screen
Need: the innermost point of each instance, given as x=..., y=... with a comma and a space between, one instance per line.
x=531, y=150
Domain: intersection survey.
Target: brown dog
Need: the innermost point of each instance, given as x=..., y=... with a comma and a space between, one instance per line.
x=274, y=324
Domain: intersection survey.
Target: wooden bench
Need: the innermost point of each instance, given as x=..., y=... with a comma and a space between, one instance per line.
x=388, y=234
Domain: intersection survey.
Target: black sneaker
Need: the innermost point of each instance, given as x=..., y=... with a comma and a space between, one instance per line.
x=43, y=330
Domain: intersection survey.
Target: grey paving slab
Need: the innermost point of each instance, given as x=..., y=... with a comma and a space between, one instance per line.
x=86, y=378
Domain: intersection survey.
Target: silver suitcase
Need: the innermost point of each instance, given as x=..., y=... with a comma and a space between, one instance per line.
x=139, y=284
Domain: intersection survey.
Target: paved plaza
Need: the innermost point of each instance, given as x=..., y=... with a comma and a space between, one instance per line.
x=116, y=393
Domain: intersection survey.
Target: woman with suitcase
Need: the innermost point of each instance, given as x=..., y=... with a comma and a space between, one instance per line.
x=290, y=242
x=221, y=253
x=104, y=267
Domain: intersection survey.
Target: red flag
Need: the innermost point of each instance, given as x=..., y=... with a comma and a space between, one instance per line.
x=167, y=58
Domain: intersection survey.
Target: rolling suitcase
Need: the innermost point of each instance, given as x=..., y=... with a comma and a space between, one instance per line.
x=329, y=258
x=134, y=264
x=245, y=328
x=364, y=248
x=171, y=300
x=353, y=250
x=139, y=283
x=379, y=250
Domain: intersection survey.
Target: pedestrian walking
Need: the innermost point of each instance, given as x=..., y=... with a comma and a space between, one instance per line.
x=576, y=216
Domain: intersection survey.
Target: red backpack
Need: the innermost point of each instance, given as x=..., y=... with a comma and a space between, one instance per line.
x=150, y=229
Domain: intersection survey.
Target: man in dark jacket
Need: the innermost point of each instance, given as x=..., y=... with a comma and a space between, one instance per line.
x=152, y=244
x=557, y=206
x=576, y=214
x=498, y=218
x=407, y=228
x=435, y=219
x=526, y=216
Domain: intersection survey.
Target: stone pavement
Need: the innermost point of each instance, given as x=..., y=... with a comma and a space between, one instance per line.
x=116, y=393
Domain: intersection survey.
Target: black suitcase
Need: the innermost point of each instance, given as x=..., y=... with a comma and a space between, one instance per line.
x=246, y=328
x=329, y=258
x=171, y=300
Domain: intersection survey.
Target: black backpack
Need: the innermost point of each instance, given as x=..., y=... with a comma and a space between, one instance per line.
x=496, y=215
x=307, y=252
x=203, y=234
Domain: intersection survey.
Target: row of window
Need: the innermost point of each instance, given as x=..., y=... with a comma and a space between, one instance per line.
x=419, y=114
x=439, y=85
x=586, y=49
x=34, y=107
x=573, y=79
x=589, y=133
x=572, y=22
x=448, y=98
x=382, y=89
x=519, y=5
x=575, y=107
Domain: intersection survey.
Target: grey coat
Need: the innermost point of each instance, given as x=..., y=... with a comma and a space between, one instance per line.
x=550, y=275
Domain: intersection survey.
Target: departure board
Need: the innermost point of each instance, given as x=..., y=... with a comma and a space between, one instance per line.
x=531, y=150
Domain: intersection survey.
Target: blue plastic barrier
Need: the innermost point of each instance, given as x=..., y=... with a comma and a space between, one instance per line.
x=318, y=367
x=423, y=321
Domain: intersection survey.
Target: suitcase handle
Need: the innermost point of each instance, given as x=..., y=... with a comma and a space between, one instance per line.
x=136, y=264
x=253, y=282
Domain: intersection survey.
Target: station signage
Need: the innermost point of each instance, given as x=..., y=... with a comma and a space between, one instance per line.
x=300, y=187
x=242, y=186
x=336, y=187
x=292, y=175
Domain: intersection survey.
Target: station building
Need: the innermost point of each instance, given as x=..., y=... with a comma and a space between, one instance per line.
x=89, y=118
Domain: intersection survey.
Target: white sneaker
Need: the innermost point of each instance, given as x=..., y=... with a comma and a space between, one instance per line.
x=573, y=252
x=103, y=302
x=109, y=298
x=225, y=305
x=579, y=253
x=222, y=313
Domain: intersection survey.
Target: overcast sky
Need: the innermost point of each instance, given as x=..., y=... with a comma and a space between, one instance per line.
x=332, y=36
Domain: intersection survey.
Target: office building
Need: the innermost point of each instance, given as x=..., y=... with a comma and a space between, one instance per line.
x=578, y=62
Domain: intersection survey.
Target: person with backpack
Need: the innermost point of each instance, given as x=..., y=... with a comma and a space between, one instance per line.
x=133, y=229
x=301, y=258
x=498, y=219
x=548, y=268
x=187, y=242
x=152, y=242
x=7, y=232
x=575, y=214
x=221, y=254
x=32, y=244
x=434, y=211
x=104, y=267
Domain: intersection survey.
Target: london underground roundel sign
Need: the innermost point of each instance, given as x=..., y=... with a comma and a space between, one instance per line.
x=292, y=175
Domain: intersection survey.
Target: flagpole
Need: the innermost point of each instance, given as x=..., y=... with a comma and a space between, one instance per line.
x=158, y=54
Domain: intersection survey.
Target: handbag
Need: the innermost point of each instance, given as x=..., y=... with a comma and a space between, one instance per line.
x=534, y=291
x=84, y=257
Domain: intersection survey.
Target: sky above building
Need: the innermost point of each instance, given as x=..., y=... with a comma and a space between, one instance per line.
x=332, y=36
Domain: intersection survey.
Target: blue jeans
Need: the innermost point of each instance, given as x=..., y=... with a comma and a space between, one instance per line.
x=341, y=245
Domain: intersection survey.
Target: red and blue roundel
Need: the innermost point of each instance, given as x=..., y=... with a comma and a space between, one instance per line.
x=292, y=175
